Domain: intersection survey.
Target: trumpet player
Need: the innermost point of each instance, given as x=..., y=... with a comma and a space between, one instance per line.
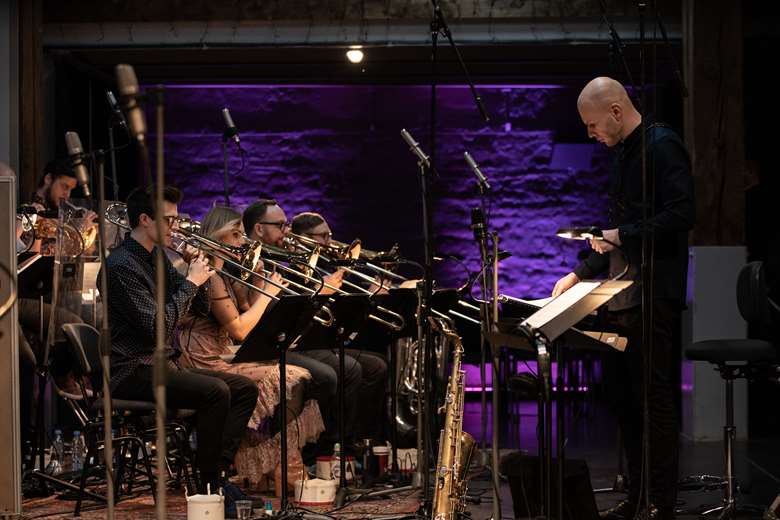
x=267, y=222
x=224, y=402
x=372, y=397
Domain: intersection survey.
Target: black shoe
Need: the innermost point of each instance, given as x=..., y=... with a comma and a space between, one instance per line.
x=623, y=510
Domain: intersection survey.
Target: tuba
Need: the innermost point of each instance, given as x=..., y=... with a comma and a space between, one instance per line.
x=455, y=446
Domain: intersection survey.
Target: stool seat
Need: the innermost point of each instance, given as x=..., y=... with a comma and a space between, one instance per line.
x=125, y=405
x=725, y=350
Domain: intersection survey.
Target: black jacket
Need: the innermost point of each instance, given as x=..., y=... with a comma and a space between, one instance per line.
x=675, y=213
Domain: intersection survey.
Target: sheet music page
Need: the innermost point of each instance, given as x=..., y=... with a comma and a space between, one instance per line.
x=559, y=304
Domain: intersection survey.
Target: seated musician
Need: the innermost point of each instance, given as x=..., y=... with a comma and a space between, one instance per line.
x=264, y=220
x=55, y=186
x=224, y=402
x=206, y=334
x=371, y=423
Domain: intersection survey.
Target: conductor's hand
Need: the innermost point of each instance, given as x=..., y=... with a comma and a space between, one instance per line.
x=564, y=284
x=600, y=246
x=199, y=270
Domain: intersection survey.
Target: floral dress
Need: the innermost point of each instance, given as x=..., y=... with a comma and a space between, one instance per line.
x=202, y=341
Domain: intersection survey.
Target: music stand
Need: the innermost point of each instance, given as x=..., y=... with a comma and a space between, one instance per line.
x=286, y=323
x=540, y=331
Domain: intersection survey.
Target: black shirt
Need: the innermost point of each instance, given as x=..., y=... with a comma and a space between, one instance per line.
x=132, y=307
x=675, y=213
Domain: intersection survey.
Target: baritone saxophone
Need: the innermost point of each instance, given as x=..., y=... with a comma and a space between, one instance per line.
x=455, y=446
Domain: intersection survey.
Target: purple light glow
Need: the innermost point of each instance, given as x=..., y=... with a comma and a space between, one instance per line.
x=336, y=149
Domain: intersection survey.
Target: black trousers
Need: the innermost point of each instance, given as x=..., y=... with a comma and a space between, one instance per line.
x=371, y=421
x=224, y=402
x=624, y=376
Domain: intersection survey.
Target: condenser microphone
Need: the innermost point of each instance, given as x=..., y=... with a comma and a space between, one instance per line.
x=76, y=154
x=481, y=179
x=231, y=132
x=414, y=146
x=128, y=93
x=117, y=117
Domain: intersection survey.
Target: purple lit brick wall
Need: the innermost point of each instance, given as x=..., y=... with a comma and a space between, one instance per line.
x=337, y=150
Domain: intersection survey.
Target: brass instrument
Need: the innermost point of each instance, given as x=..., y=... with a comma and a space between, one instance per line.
x=456, y=447
x=244, y=258
x=76, y=237
x=314, y=249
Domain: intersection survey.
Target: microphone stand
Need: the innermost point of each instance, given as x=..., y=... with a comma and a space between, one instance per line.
x=105, y=330
x=225, y=179
x=648, y=198
x=160, y=362
x=439, y=25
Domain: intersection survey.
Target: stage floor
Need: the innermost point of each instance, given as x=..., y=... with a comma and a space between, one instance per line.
x=591, y=436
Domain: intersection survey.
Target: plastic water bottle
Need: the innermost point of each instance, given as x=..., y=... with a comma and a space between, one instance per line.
x=78, y=451
x=56, y=454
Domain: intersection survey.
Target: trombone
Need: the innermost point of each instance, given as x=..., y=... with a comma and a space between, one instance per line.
x=314, y=248
x=353, y=251
x=239, y=257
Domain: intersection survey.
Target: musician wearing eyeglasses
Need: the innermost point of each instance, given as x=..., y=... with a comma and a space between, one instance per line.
x=267, y=222
x=206, y=334
x=224, y=402
x=372, y=397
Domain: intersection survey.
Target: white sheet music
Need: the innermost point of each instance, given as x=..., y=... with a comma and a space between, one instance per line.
x=559, y=304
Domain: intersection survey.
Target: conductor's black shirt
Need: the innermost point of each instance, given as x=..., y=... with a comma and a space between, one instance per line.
x=673, y=217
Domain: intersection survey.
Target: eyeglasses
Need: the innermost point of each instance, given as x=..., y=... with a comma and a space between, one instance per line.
x=170, y=220
x=325, y=235
x=281, y=225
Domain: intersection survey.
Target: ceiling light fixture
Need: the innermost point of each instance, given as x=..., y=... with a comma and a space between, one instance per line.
x=355, y=54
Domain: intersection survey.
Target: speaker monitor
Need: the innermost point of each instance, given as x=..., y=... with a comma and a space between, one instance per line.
x=523, y=473
x=10, y=464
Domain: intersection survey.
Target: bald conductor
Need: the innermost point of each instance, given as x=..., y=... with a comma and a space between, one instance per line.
x=612, y=119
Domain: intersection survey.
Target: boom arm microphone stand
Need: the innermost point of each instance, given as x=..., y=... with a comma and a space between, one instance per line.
x=428, y=166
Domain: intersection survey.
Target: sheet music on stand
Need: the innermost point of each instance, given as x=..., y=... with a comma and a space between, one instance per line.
x=569, y=308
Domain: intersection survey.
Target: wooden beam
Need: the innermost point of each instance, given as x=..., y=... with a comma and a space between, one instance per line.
x=30, y=96
x=712, y=42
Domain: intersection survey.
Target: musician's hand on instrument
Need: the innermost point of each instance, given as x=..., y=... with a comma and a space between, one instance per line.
x=189, y=253
x=564, y=284
x=89, y=220
x=409, y=284
x=274, y=288
x=335, y=279
x=199, y=270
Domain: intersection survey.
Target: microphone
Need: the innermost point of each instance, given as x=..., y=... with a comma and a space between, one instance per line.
x=76, y=154
x=128, y=93
x=415, y=148
x=481, y=179
x=231, y=132
x=478, y=224
x=116, y=113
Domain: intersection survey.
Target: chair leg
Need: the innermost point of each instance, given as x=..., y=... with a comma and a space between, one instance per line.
x=148, y=466
x=119, y=471
x=83, y=484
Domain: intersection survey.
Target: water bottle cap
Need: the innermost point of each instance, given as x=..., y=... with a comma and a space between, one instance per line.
x=337, y=447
